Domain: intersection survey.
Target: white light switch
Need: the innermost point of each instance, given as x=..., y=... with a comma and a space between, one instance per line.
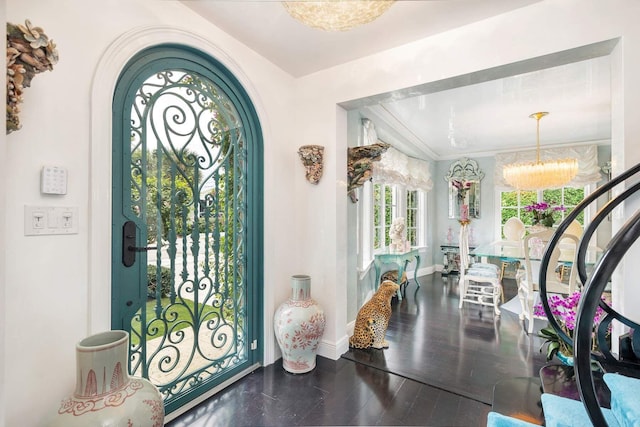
x=53, y=180
x=43, y=220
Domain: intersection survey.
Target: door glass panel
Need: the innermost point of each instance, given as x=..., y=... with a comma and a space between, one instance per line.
x=187, y=179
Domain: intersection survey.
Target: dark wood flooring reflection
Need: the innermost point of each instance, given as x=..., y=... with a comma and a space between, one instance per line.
x=439, y=370
x=465, y=351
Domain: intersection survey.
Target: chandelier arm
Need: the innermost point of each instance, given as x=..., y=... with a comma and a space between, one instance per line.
x=538, y=139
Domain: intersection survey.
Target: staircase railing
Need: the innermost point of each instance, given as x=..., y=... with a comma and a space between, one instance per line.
x=592, y=291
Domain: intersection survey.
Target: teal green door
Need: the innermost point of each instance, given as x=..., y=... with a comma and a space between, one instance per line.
x=187, y=222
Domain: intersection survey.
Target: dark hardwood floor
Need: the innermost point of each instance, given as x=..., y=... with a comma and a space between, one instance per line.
x=439, y=370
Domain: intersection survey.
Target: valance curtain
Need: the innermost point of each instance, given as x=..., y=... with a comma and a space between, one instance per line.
x=396, y=168
x=587, y=155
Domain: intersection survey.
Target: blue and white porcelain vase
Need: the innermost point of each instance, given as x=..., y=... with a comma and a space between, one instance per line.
x=105, y=394
x=299, y=324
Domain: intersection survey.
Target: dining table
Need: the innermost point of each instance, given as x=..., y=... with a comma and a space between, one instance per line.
x=515, y=250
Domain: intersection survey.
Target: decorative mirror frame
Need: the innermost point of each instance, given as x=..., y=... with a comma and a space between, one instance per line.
x=463, y=181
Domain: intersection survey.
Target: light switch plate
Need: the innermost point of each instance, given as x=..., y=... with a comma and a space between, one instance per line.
x=44, y=220
x=53, y=180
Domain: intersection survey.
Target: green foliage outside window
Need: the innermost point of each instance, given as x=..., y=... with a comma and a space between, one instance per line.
x=383, y=208
x=412, y=217
x=166, y=281
x=512, y=203
x=568, y=197
x=382, y=214
x=175, y=191
x=388, y=213
x=377, y=216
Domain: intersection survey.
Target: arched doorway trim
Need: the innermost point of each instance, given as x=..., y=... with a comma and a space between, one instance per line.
x=109, y=68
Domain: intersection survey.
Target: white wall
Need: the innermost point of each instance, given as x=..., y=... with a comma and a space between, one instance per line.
x=624, y=154
x=54, y=294
x=3, y=239
x=544, y=28
x=58, y=287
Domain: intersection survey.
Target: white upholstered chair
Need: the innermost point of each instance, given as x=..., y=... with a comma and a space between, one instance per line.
x=513, y=230
x=534, y=246
x=479, y=282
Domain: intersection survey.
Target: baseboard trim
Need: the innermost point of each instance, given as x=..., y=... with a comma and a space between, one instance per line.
x=333, y=351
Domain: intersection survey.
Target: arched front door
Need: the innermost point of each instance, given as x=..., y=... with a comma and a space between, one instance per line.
x=187, y=222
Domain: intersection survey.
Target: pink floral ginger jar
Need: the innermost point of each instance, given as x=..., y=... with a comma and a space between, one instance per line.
x=299, y=324
x=105, y=394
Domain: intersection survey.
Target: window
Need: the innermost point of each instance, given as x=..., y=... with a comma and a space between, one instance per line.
x=392, y=201
x=412, y=217
x=383, y=214
x=512, y=203
x=568, y=197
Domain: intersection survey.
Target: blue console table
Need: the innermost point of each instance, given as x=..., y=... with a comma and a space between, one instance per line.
x=401, y=259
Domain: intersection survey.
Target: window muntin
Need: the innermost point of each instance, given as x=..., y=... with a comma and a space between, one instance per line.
x=412, y=217
x=383, y=209
x=392, y=201
x=512, y=204
x=568, y=197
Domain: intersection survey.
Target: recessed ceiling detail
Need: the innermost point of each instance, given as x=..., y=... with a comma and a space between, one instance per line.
x=492, y=116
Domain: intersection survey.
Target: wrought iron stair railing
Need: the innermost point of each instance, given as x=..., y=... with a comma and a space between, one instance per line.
x=592, y=291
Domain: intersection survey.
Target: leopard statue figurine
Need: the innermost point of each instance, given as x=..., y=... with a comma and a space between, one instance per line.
x=373, y=318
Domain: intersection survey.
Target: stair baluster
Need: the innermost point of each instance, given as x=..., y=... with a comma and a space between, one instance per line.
x=592, y=291
x=623, y=411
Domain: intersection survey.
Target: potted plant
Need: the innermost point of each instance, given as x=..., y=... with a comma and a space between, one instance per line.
x=564, y=309
x=543, y=213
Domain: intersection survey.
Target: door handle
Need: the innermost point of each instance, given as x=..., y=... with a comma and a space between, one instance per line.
x=141, y=248
x=129, y=247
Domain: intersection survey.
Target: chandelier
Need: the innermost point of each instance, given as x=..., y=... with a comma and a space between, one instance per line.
x=540, y=175
x=336, y=15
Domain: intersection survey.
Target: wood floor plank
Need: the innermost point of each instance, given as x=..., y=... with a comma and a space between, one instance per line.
x=457, y=356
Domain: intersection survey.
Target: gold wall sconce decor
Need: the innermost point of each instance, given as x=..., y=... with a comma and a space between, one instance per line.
x=311, y=156
x=29, y=52
x=360, y=165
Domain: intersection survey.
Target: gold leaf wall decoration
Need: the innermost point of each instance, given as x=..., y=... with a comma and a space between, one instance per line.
x=360, y=165
x=29, y=52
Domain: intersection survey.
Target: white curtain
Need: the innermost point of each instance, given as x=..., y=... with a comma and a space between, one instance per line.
x=397, y=168
x=587, y=155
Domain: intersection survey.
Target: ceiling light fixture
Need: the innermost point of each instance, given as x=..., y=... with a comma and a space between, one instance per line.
x=540, y=175
x=336, y=15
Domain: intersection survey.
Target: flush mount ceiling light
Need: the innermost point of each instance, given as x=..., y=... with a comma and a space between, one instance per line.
x=336, y=15
x=540, y=175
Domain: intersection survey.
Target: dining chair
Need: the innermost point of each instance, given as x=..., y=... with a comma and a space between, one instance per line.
x=576, y=229
x=513, y=230
x=534, y=245
x=479, y=282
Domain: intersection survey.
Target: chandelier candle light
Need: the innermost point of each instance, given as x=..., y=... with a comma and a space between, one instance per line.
x=540, y=175
x=336, y=15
